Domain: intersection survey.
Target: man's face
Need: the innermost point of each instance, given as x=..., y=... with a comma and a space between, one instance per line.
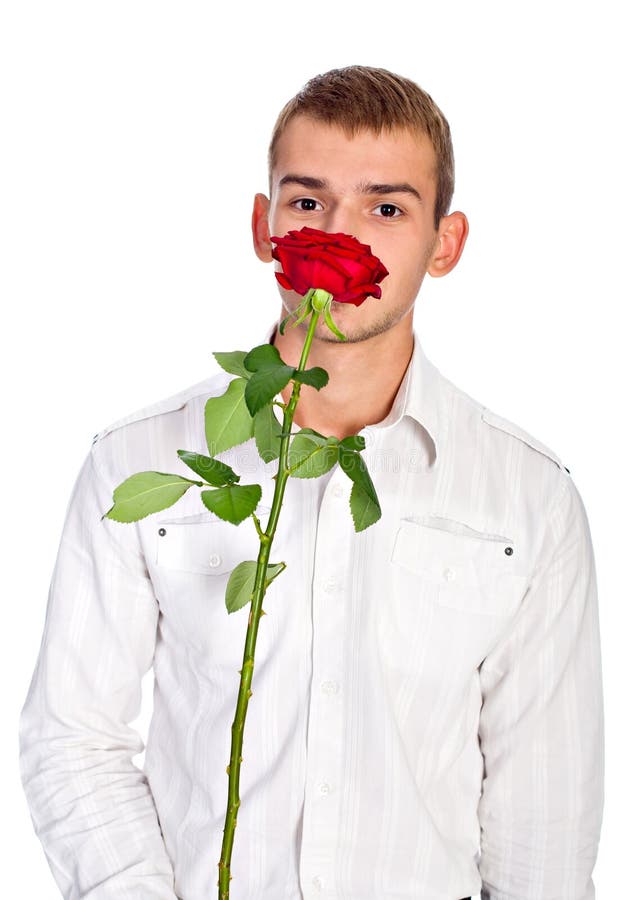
x=380, y=189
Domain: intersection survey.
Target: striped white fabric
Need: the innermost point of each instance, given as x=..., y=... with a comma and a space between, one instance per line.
x=426, y=719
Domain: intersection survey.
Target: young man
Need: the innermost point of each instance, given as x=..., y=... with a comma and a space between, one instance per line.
x=426, y=718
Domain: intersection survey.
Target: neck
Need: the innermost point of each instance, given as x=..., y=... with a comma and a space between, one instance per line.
x=365, y=376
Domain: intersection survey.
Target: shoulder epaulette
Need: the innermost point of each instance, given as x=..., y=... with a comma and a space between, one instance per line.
x=169, y=404
x=511, y=428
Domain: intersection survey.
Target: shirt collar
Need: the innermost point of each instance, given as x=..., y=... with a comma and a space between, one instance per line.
x=419, y=394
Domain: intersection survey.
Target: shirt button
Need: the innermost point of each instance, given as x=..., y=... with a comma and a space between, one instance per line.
x=337, y=490
x=317, y=883
x=324, y=788
x=449, y=574
x=330, y=687
x=214, y=560
x=330, y=585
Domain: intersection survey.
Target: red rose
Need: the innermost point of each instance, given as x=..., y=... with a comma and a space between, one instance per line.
x=337, y=263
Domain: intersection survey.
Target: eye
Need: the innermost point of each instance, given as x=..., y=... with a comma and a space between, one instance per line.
x=308, y=200
x=389, y=206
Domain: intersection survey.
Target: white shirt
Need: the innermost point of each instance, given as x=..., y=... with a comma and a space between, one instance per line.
x=426, y=717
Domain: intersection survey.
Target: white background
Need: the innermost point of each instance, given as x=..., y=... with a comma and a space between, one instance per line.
x=135, y=136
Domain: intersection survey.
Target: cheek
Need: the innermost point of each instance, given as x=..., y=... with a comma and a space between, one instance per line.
x=277, y=219
x=401, y=265
x=406, y=274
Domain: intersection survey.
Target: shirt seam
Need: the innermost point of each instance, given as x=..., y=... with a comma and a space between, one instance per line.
x=558, y=497
x=124, y=551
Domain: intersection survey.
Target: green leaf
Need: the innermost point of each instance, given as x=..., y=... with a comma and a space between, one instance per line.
x=364, y=510
x=211, y=470
x=315, y=377
x=311, y=454
x=267, y=432
x=265, y=384
x=329, y=321
x=353, y=442
x=318, y=434
x=234, y=502
x=354, y=467
x=227, y=419
x=263, y=357
x=145, y=493
x=242, y=580
x=233, y=362
x=272, y=571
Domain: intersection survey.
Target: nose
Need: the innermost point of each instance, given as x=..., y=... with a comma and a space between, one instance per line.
x=340, y=219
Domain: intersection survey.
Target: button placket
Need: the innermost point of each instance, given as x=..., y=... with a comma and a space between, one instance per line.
x=325, y=714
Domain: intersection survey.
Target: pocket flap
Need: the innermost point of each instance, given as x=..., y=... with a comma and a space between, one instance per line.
x=473, y=570
x=205, y=544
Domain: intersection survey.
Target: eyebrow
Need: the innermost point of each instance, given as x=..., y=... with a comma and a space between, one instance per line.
x=363, y=187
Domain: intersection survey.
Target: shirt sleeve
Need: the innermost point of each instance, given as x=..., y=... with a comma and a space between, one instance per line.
x=91, y=807
x=541, y=725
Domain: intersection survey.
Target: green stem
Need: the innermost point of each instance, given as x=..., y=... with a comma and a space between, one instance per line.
x=246, y=673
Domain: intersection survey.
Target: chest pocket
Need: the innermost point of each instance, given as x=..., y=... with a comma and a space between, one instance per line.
x=205, y=544
x=193, y=557
x=460, y=568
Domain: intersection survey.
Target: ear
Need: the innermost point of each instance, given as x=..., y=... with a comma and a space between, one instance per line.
x=260, y=228
x=451, y=237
